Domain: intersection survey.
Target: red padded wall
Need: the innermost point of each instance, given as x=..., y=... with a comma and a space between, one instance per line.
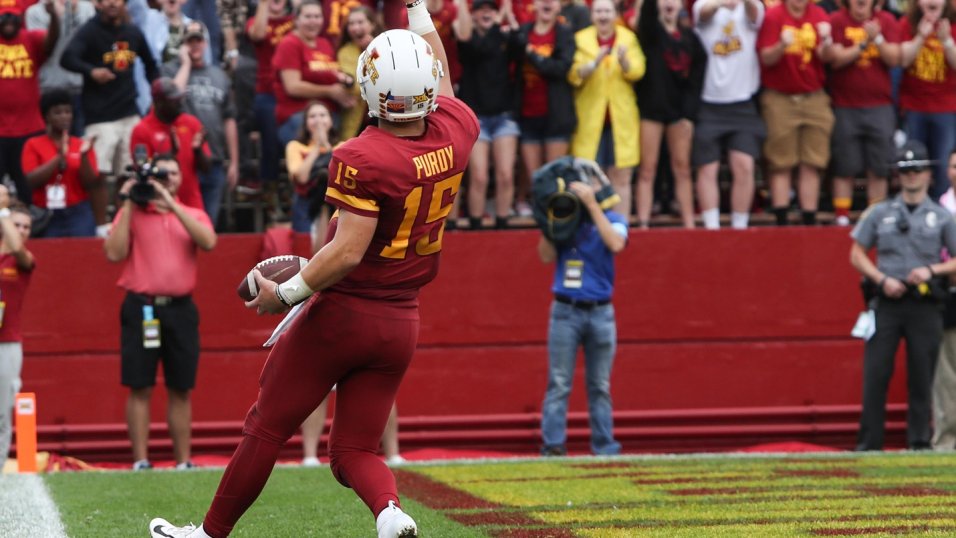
x=755, y=318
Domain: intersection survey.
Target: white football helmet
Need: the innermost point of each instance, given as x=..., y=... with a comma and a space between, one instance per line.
x=399, y=75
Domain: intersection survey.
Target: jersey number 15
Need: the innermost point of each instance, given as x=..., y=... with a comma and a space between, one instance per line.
x=436, y=210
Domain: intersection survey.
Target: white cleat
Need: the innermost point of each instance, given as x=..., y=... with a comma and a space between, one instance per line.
x=393, y=523
x=160, y=528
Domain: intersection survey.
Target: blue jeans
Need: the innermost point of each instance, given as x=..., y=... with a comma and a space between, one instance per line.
x=289, y=130
x=264, y=109
x=596, y=331
x=211, y=185
x=73, y=221
x=300, y=214
x=938, y=131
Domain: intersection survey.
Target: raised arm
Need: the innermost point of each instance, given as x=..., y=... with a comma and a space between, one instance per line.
x=420, y=22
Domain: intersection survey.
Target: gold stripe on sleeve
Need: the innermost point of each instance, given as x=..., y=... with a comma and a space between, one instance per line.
x=353, y=201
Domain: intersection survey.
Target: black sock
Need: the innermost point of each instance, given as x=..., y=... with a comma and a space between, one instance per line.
x=501, y=223
x=809, y=218
x=781, y=214
x=474, y=223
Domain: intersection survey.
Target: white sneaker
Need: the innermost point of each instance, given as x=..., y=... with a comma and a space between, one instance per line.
x=311, y=462
x=160, y=528
x=393, y=523
x=524, y=209
x=842, y=220
x=397, y=459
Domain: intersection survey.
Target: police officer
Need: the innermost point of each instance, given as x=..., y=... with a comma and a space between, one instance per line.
x=582, y=316
x=908, y=232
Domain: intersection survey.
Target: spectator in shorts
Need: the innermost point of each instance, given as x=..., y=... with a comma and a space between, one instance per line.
x=159, y=322
x=72, y=15
x=866, y=46
x=488, y=88
x=928, y=90
x=608, y=60
x=543, y=51
x=209, y=98
x=167, y=129
x=669, y=95
x=61, y=170
x=24, y=51
x=16, y=268
x=307, y=160
x=361, y=26
x=306, y=69
x=273, y=20
x=728, y=121
x=104, y=51
x=794, y=42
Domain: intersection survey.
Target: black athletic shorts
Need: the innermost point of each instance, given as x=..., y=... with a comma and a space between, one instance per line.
x=179, y=342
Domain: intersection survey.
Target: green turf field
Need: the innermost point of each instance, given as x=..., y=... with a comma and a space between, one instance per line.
x=795, y=495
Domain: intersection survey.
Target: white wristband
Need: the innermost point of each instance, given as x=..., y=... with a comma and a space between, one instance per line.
x=419, y=19
x=879, y=39
x=4, y=213
x=294, y=291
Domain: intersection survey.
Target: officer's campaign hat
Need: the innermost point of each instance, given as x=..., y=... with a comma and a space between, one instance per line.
x=913, y=155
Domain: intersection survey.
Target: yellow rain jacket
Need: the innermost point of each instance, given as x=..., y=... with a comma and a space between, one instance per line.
x=608, y=87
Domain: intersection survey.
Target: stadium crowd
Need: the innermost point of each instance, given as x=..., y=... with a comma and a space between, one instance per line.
x=794, y=92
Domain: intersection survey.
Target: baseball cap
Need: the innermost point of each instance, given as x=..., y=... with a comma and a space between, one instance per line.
x=478, y=4
x=165, y=88
x=195, y=29
x=912, y=156
x=11, y=6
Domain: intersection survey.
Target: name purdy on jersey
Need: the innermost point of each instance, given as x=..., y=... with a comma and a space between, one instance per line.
x=409, y=185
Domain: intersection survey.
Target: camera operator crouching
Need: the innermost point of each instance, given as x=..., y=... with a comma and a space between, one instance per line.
x=158, y=238
x=908, y=233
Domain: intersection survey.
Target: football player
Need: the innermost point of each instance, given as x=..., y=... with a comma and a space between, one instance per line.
x=393, y=187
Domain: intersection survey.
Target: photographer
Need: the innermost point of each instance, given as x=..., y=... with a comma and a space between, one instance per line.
x=908, y=232
x=158, y=239
x=582, y=313
x=16, y=269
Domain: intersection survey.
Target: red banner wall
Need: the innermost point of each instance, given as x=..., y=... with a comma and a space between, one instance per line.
x=756, y=318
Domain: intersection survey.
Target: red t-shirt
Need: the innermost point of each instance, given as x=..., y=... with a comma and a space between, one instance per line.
x=524, y=11
x=799, y=70
x=20, y=61
x=443, y=25
x=929, y=85
x=866, y=82
x=41, y=149
x=336, y=12
x=534, y=97
x=276, y=29
x=155, y=136
x=409, y=184
x=162, y=254
x=13, y=287
x=317, y=65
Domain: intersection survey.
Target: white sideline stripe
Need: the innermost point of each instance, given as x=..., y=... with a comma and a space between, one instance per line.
x=26, y=508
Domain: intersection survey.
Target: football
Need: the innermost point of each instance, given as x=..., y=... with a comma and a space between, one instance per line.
x=277, y=269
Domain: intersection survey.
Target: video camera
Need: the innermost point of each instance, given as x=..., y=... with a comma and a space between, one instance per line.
x=142, y=170
x=557, y=210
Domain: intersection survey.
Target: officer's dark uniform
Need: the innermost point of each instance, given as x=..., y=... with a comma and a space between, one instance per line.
x=904, y=239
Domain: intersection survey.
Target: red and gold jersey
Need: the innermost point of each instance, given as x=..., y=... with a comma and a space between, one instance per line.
x=409, y=184
x=336, y=13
